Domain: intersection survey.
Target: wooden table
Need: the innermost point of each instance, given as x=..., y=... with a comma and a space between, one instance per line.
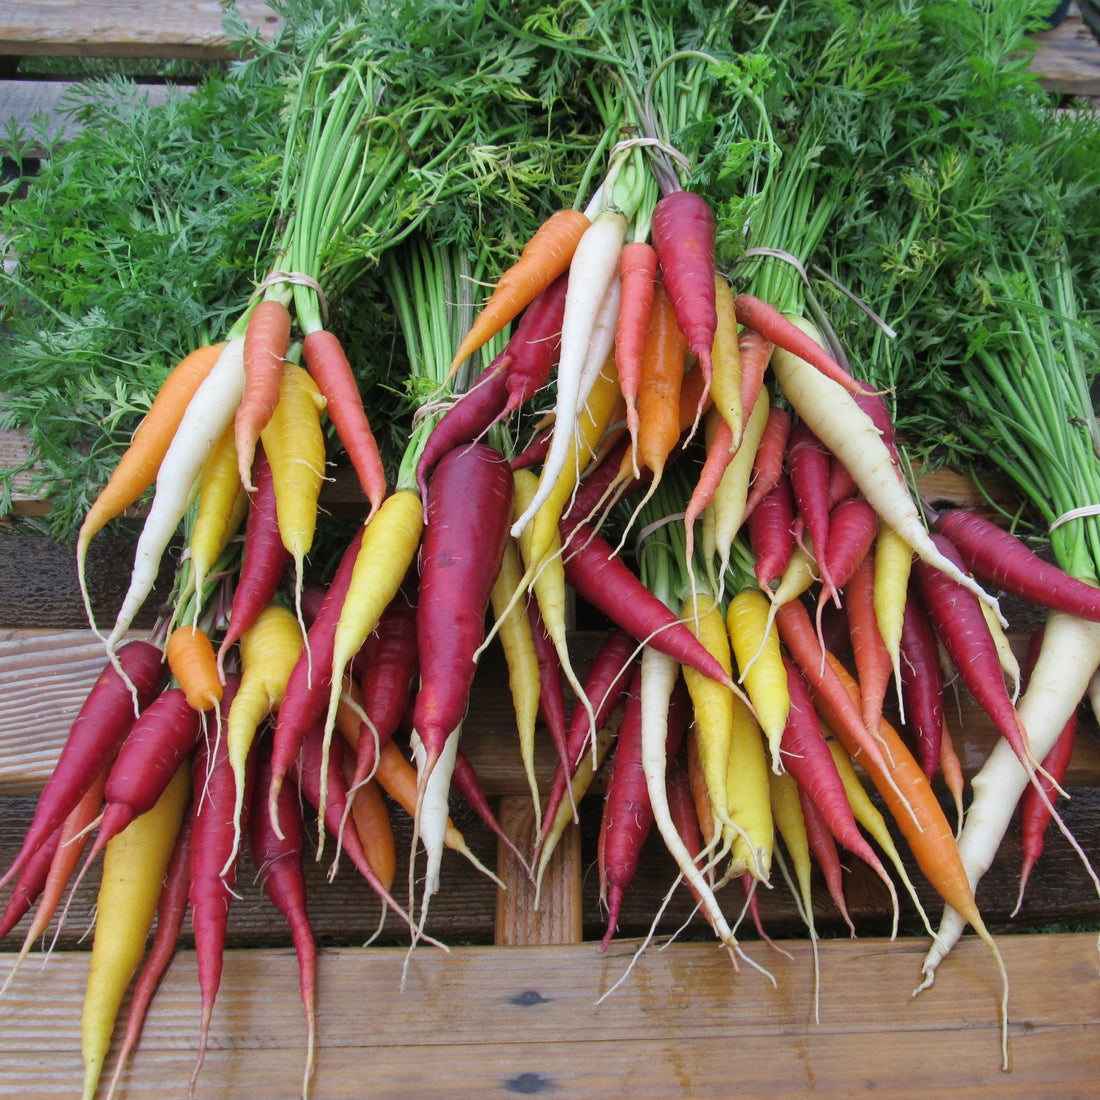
x=512, y=1009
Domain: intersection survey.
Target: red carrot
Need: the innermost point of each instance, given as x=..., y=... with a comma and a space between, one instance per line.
x=535, y=345
x=603, y=580
x=807, y=757
x=853, y=525
x=824, y=849
x=808, y=467
x=467, y=514
x=998, y=558
x=277, y=856
x=171, y=909
x=551, y=693
x=1034, y=810
x=210, y=891
x=770, y=456
x=466, y=783
x=100, y=727
x=637, y=276
x=683, y=237
x=264, y=561
x=628, y=815
x=608, y=678
x=961, y=626
x=325, y=359
x=307, y=692
x=770, y=527
x=534, y=454
x=387, y=679
x=30, y=883
x=922, y=683
x=774, y=326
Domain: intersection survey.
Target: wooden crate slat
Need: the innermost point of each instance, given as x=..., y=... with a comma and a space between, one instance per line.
x=117, y=28
x=1067, y=58
x=516, y=1021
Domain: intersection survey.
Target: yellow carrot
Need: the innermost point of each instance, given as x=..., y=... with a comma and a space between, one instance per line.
x=134, y=864
x=757, y=654
x=294, y=443
x=270, y=648
x=749, y=798
x=893, y=563
x=725, y=385
x=518, y=643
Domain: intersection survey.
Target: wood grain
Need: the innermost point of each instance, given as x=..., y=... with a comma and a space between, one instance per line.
x=524, y=1021
x=117, y=28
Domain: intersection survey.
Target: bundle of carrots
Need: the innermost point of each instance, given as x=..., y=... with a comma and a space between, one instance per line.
x=789, y=589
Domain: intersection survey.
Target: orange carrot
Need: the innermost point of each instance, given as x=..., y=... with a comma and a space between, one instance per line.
x=137, y=469
x=325, y=359
x=545, y=256
x=191, y=658
x=638, y=278
x=266, y=339
x=755, y=352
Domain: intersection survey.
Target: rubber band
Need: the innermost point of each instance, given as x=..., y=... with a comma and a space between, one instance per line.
x=664, y=147
x=1075, y=513
x=297, y=278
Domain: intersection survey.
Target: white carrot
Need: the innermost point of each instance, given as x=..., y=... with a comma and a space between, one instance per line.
x=1067, y=661
x=851, y=435
x=659, y=674
x=208, y=415
x=592, y=273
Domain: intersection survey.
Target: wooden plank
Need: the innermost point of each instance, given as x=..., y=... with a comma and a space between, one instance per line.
x=123, y=28
x=1067, y=58
x=521, y=1021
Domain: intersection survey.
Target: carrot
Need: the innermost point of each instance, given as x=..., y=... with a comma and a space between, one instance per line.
x=808, y=468
x=468, y=419
x=465, y=781
x=925, y=828
x=278, y=859
x=922, y=683
x=459, y=563
x=387, y=679
x=752, y=842
x=662, y=374
x=171, y=908
x=788, y=335
x=133, y=872
x=683, y=236
x=605, y=685
x=852, y=436
x=163, y=737
x=72, y=838
x=964, y=632
x=607, y=584
x=213, y=870
x=872, y=662
x=770, y=526
x=718, y=437
x=206, y=417
x=731, y=496
x=266, y=339
x=222, y=507
x=638, y=277
x=770, y=455
x=627, y=812
x=1034, y=810
x=807, y=756
x=307, y=690
x=545, y=256
x=370, y=816
x=329, y=367
x=998, y=558
x=192, y=661
x=30, y=883
x=518, y=643
x=551, y=693
x=270, y=650
x=754, y=352
x=893, y=564
x=263, y=563
x=137, y=469
x=823, y=846
x=386, y=549
x=98, y=731
x=295, y=447
x=727, y=381
x=853, y=526
x=591, y=308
